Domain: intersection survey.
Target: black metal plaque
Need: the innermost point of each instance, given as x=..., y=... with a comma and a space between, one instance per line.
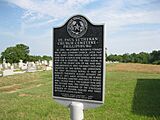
x=78, y=60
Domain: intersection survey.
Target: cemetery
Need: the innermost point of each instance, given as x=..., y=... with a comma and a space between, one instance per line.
x=17, y=60
x=81, y=79
x=20, y=68
x=83, y=83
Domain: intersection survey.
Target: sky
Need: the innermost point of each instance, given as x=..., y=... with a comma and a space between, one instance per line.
x=130, y=26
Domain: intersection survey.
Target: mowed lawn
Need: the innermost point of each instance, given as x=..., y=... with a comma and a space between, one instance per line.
x=132, y=93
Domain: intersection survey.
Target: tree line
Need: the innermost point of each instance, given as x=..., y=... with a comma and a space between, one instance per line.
x=142, y=57
x=20, y=52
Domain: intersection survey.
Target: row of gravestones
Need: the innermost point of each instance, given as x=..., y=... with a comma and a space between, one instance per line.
x=110, y=62
x=17, y=68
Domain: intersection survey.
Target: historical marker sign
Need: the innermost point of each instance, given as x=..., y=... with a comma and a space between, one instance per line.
x=78, y=58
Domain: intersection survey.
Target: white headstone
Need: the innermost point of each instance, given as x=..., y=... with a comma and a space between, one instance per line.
x=20, y=64
x=8, y=65
x=40, y=63
x=37, y=63
x=50, y=63
x=1, y=66
x=45, y=62
x=7, y=72
x=15, y=65
x=31, y=67
x=33, y=64
x=24, y=67
x=12, y=67
x=4, y=60
x=48, y=68
x=5, y=65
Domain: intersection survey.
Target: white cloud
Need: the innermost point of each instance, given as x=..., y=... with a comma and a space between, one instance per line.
x=40, y=13
x=52, y=8
x=116, y=14
x=110, y=13
x=115, y=18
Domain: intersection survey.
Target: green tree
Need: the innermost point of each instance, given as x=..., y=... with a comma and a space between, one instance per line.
x=144, y=57
x=33, y=58
x=133, y=58
x=154, y=57
x=16, y=53
x=126, y=58
x=48, y=58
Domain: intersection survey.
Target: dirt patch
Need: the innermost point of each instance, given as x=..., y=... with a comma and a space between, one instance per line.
x=19, y=79
x=147, y=68
x=10, y=89
x=38, y=85
x=13, y=88
x=32, y=86
x=23, y=95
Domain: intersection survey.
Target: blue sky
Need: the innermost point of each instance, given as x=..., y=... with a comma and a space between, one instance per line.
x=130, y=26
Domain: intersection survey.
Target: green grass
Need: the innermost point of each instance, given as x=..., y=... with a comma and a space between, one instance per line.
x=129, y=96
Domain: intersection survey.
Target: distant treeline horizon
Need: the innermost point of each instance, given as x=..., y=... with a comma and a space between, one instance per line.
x=142, y=57
x=19, y=52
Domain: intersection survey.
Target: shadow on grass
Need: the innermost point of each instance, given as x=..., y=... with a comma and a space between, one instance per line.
x=146, y=99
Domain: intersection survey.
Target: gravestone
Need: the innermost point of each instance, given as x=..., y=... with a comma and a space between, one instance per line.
x=7, y=72
x=8, y=65
x=15, y=65
x=4, y=60
x=4, y=64
x=37, y=63
x=50, y=63
x=40, y=63
x=31, y=67
x=45, y=62
x=78, y=62
x=20, y=64
x=24, y=67
x=1, y=67
x=49, y=66
x=12, y=67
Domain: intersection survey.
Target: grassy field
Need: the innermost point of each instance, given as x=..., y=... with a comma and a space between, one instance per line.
x=132, y=93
